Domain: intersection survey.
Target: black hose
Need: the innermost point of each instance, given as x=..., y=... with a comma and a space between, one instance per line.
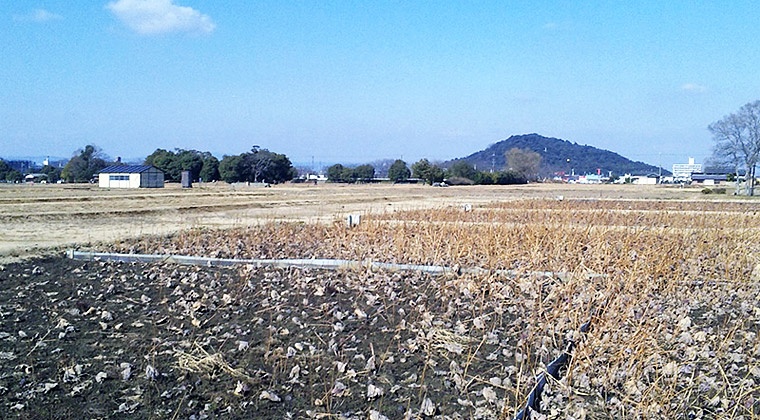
x=553, y=369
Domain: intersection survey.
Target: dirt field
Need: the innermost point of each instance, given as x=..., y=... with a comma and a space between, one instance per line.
x=671, y=286
x=44, y=217
x=676, y=275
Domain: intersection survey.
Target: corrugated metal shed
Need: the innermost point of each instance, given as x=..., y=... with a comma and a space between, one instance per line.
x=131, y=176
x=125, y=169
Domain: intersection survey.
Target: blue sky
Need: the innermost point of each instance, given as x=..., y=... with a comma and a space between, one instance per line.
x=355, y=81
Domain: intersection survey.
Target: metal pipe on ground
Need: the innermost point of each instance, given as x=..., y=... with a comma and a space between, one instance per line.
x=329, y=264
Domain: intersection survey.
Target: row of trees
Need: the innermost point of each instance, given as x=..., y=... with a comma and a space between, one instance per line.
x=258, y=165
x=522, y=166
x=340, y=173
x=465, y=173
x=460, y=172
x=261, y=165
x=398, y=172
x=201, y=165
x=81, y=168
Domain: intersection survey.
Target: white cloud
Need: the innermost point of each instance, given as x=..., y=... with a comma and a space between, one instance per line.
x=550, y=26
x=693, y=87
x=152, y=17
x=37, y=15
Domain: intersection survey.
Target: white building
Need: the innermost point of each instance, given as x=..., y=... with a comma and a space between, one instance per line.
x=683, y=171
x=638, y=179
x=42, y=178
x=131, y=176
x=318, y=178
x=646, y=180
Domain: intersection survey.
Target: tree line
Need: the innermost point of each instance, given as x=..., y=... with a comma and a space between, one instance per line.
x=258, y=165
x=340, y=173
x=9, y=174
x=262, y=165
x=201, y=165
x=79, y=169
x=523, y=165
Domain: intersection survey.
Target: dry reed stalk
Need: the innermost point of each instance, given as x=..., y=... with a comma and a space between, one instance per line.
x=201, y=361
x=659, y=258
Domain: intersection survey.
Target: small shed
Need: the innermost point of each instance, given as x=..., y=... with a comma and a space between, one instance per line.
x=131, y=176
x=36, y=178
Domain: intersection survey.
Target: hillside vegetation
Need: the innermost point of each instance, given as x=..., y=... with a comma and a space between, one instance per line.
x=559, y=155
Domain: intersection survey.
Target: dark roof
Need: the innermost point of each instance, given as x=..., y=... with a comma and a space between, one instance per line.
x=702, y=177
x=125, y=169
x=720, y=171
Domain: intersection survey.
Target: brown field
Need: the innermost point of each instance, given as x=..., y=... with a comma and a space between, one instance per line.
x=669, y=277
x=38, y=217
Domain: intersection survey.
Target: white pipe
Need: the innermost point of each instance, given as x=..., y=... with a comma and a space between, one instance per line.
x=305, y=263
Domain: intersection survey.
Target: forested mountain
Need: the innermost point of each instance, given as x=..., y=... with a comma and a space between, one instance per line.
x=559, y=155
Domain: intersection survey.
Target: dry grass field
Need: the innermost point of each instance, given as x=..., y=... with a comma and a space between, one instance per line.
x=38, y=217
x=668, y=278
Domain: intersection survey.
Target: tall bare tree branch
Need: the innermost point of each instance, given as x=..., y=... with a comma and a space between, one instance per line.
x=737, y=141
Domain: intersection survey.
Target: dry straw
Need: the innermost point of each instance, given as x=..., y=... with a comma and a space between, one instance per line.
x=203, y=362
x=679, y=330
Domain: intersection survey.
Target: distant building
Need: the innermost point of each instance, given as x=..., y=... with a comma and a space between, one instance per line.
x=36, y=178
x=708, y=179
x=682, y=171
x=646, y=180
x=316, y=177
x=131, y=176
x=592, y=179
x=715, y=175
x=54, y=163
x=22, y=166
x=651, y=179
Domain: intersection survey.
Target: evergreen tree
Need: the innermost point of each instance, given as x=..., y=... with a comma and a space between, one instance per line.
x=399, y=171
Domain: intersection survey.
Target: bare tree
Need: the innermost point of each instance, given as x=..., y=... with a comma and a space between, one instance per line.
x=524, y=162
x=737, y=141
x=723, y=157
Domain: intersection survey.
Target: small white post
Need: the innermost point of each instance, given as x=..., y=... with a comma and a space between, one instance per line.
x=353, y=220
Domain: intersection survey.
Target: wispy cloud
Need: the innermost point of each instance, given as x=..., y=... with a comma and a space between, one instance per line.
x=553, y=26
x=38, y=16
x=693, y=88
x=153, y=17
x=550, y=26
